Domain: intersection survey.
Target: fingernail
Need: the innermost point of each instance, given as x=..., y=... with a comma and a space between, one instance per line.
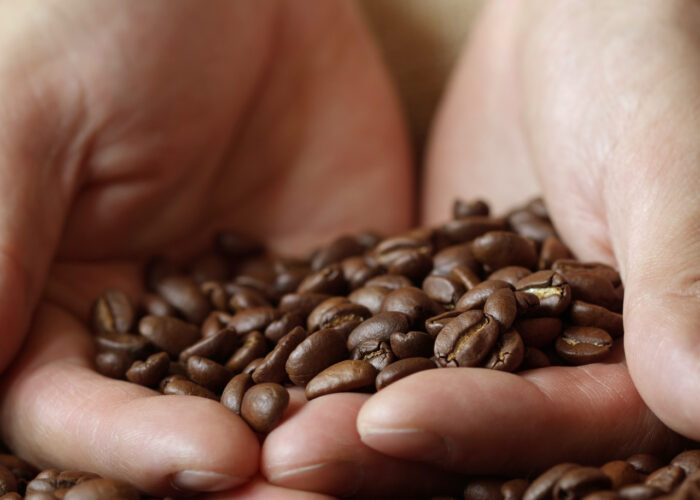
x=201, y=480
x=342, y=479
x=414, y=444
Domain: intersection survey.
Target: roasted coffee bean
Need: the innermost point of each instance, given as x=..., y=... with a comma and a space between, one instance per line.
x=169, y=334
x=216, y=347
x=113, y=364
x=579, y=482
x=411, y=344
x=155, y=305
x=412, y=302
x=11, y=496
x=357, y=270
x=314, y=354
x=666, y=478
x=603, y=495
x=148, y=373
x=502, y=306
x=550, y=288
x=514, y=489
x=378, y=327
x=436, y=323
x=348, y=375
x=621, y=473
x=214, y=323
x=265, y=284
x=185, y=295
x=468, y=228
x=254, y=346
x=566, y=267
x=542, y=488
x=180, y=386
x=337, y=250
x=553, y=249
x=639, y=492
x=328, y=280
x=468, y=278
x=498, y=249
x=483, y=489
x=282, y=326
x=263, y=406
x=236, y=245
x=416, y=239
x=538, y=332
x=272, y=369
x=100, y=489
x=289, y=280
x=390, y=281
x=645, y=463
x=589, y=287
x=476, y=297
x=252, y=366
x=534, y=358
x=461, y=208
x=585, y=314
x=376, y=352
x=135, y=346
x=508, y=353
x=455, y=256
x=301, y=303
x=466, y=340
x=583, y=344
x=8, y=482
x=370, y=297
x=510, y=274
x=443, y=289
x=529, y=225
x=689, y=489
x=412, y=263
x=207, y=373
x=689, y=461
x=256, y=318
x=232, y=395
x=216, y=294
x=526, y=303
x=400, y=369
x=112, y=312
x=21, y=469
x=247, y=298
x=334, y=312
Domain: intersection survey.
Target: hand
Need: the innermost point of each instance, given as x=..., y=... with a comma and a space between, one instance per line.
x=132, y=128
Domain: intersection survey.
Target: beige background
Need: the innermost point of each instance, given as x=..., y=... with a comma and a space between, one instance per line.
x=421, y=40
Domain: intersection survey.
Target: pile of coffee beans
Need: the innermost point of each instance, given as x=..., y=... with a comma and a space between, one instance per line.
x=238, y=324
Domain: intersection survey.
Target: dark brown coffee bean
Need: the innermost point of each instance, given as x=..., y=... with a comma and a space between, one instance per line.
x=314, y=354
x=603, y=495
x=155, y=305
x=328, y=280
x=510, y=274
x=483, y=489
x=443, y=289
x=216, y=294
x=169, y=334
x=272, y=367
x=370, y=297
x=113, y=364
x=8, y=482
x=412, y=302
x=644, y=463
x=565, y=267
x=348, y=375
x=542, y=487
x=282, y=326
x=217, y=347
x=498, y=249
x=583, y=344
x=247, y=298
x=301, y=303
x=214, y=323
x=553, y=249
x=390, y=281
x=468, y=228
x=376, y=352
x=12, y=496
x=254, y=346
x=256, y=318
x=207, y=373
x=236, y=245
x=689, y=489
x=579, y=482
x=589, y=287
x=334, y=312
x=232, y=395
x=148, y=373
x=466, y=340
x=135, y=346
x=411, y=344
x=416, y=239
x=508, y=353
x=265, y=284
x=337, y=250
x=666, y=478
x=21, y=469
x=534, y=358
x=476, y=297
x=461, y=208
x=468, y=278
x=252, y=366
x=185, y=295
x=550, y=288
x=689, y=461
x=529, y=225
x=402, y=368
x=357, y=270
x=502, y=306
x=526, y=303
x=585, y=314
x=455, y=256
x=112, y=312
x=514, y=489
x=263, y=406
x=378, y=327
x=180, y=386
x=621, y=473
x=538, y=332
x=639, y=492
x=436, y=323
x=100, y=489
x=289, y=280
x=413, y=263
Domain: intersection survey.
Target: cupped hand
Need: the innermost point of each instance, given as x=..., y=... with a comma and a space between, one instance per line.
x=134, y=128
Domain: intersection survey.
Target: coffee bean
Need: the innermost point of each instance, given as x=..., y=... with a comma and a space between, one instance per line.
x=566, y=267
x=155, y=305
x=180, y=386
x=526, y=303
x=357, y=270
x=436, y=323
x=113, y=364
x=185, y=295
x=263, y=405
x=216, y=347
x=589, y=287
x=11, y=496
x=666, y=478
x=400, y=369
x=603, y=495
x=550, y=288
x=207, y=373
x=468, y=228
x=378, y=327
x=413, y=263
x=510, y=274
x=514, y=489
x=483, y=489
x=468, y=278
x=689, y=489
x=498, y=249
x=638, y=492
x=529, y=225
x=236, y=245
x=538, y=332
x=100, y=489
x=553, y=249
x=579, y=482
x=370, y=297
x=254, y=346
x=583, y=344
x=335, y=312
x=252, y=366
x=247, y=298
x=644, y=463
x=508, y=353
x=443, y=289
x=216, y=295
x=621, y=473
x=272, y=369
x=543, y=487
x=314, y=354
x=461, y=208
x=301, y=303
x=466, y=340
x=148, y=373
x=390, y=281
x=337, y=250
x=412, y=302
x=476, y=297
x=112, y=312
x=345, y=376
x=376, y=352
x=8, y=482
x=411, y=344
x=169, y=334
x=328, y=280
x=214, y=323
x=501, y=305
x=232, y=395
x=534, y=358
x=417, y=239
x=282, y=326
x=21, y=469
x=689, y=461
x=453, y=256
x=135, y=346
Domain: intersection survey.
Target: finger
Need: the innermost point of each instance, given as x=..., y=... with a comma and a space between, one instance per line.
x=483, y=421
x=318, y=449
x=56, y=411
x=259, y=489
